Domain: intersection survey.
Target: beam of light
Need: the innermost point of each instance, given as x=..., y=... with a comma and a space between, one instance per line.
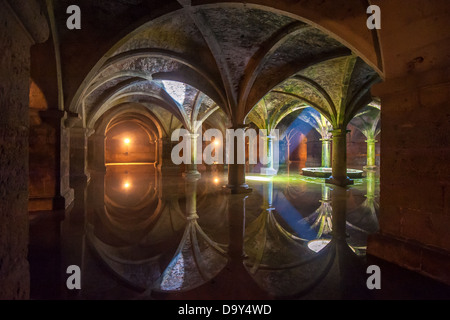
x=256, y=178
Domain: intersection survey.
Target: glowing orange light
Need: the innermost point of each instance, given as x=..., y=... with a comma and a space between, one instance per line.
x=216, y=180
x=126, y=185
x=216, y=142
x=127, y=140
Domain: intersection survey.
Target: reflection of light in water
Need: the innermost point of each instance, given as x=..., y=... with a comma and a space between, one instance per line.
x=127, y=140
x=256, y=178
x=318, y=244
x=173, y=278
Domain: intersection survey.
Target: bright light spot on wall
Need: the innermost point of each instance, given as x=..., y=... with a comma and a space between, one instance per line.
x=127, y=140
x=216, y=142
x=176, y=90
x=127, y=185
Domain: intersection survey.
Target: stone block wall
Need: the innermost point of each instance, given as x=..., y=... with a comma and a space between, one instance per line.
x=415, y=207
x=21, y=26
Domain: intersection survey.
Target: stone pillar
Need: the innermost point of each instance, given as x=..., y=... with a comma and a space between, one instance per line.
x=269, y=169
x=165, y=165
x=326, y=153
x=191, y=169
x=96, y=152
x=57, y=167
x=371, y=154
x=79, y=154
x=339, y=161
x=288, y=152
x=236, y=171
x=22, y=26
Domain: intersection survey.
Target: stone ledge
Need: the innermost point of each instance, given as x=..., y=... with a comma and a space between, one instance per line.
x=428, y=261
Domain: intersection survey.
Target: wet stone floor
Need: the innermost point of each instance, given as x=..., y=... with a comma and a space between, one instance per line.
x=135, y=234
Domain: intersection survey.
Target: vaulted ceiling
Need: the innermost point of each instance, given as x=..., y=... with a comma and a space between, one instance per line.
x=227, y=55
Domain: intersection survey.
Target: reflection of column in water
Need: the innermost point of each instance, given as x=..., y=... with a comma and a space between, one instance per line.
x=339, y=208
x=370, y=182
x=191, y=197
x=198, y=259
x=237, y=227
x=268, y=194
x=347, y=263
x=322, y=216
x=370, y=203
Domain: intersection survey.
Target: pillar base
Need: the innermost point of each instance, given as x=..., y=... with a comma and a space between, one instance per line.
x=371, y=168
x=240, y=189
x=339, y=182
x=192, y=174
x=52, y=203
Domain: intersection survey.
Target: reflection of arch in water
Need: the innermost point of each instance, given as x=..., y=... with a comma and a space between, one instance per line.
x=364, y=219
x=197, y=260
x=129, y=223
x=328, y=272
x=281, y=263
x=132, y=265
x=212, y=209
x=267, y=244
x=138, y=264
x=170, y=222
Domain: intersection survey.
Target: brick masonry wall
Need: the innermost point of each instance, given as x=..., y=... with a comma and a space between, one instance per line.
x=15, y=41
x=14, y=86
x=415, y=206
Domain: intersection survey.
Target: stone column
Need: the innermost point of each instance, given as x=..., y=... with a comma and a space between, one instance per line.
x=371, y=154
x=60, y=152
x=326, y=153
x=339, y=159
x=191, y=169
x=236, y=171
x=96, y=152
x=79, y=154
x=268, y=169
x=165, y=165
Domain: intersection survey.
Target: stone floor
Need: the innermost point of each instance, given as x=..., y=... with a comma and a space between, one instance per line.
x=137, y=235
